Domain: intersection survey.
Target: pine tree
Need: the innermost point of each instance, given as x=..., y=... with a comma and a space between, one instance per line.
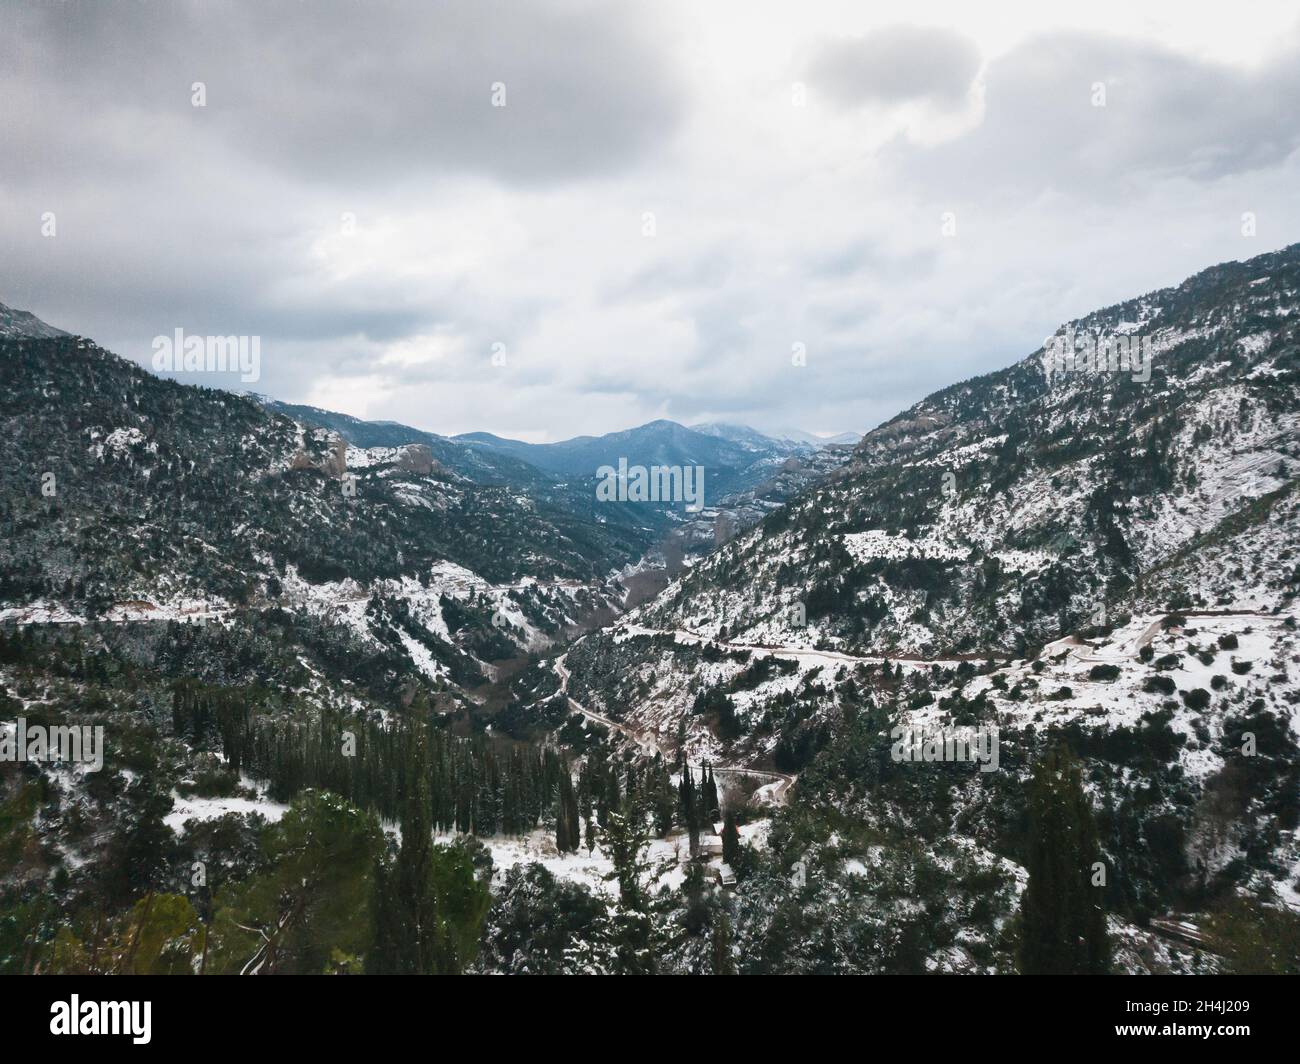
x=625, y=840
x=1063, y=923
x=635, y=938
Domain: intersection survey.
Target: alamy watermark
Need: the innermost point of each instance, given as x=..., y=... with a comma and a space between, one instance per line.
x=179, y=353
x=636, y=483
x=978, y=745
x=1070, y=352
x=35, y=742
x=77, y=1017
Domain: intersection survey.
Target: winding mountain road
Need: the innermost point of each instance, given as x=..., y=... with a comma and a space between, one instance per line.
x=1126, y=647
x=776, y=790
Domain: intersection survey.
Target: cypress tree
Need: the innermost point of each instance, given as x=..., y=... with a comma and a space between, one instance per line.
x=413, y=872
x=723, y=962
x=712, y=805
x=730, y=841
x=1063, y=923
x=613, y=799
x=691, y=810
x=567, y=835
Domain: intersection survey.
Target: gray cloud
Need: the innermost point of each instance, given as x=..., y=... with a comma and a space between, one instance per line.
x=864, y=255
x=896, y=64
x=337, y=90
x=204, y=218
x=523, y=226
x=1166, y=115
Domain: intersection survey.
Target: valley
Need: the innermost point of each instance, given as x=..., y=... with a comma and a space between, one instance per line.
x=651, y=729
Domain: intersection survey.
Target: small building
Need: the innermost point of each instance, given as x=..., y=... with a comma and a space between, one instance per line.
x=710, y=845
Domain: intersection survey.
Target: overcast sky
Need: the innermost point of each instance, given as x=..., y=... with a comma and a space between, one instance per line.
x=673, y=196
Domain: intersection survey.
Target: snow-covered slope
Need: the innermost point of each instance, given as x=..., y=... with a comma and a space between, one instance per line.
x=1002, y=512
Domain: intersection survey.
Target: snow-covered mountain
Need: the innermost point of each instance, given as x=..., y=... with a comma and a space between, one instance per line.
x=135, y=498
x=19, y=323
x=298, y=618
x=733, y=458
x=1056, y=553
x=1003, y=511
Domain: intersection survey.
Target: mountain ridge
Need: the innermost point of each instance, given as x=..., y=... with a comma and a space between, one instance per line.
x=1242, y=345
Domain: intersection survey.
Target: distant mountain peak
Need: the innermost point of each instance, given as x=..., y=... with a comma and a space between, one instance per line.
x=16, y=323
x=744, y=434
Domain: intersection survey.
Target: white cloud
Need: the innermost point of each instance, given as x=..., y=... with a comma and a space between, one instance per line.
x=774, y=224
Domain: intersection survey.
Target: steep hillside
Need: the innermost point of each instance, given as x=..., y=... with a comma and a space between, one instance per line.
x=1078, y=559
x=17, y=323
x=128, y=497
x=477, y=464
x=1002, y=512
